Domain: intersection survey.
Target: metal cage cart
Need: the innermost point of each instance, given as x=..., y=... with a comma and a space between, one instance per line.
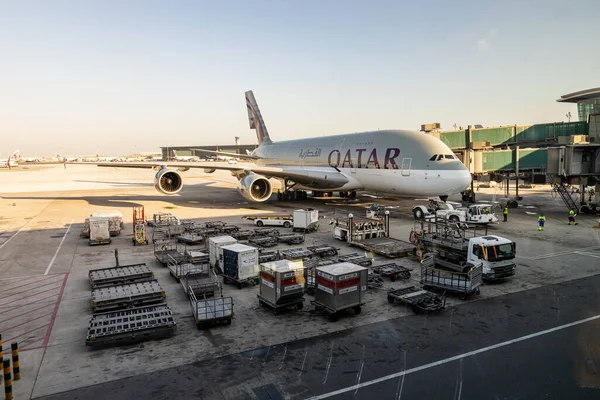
x=464, y=283
x=392, y=271
x=281, y=285
x=212, y=311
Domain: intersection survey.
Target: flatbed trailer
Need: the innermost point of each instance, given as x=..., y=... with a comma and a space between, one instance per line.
x=207, y=312
x=295, y=254
x=333, y=314
x=266, y=256
x=120, y=275
x=130, y=326
x=267, y=241
x=196, y=256
x=190, y=239
x=393, y=271
x=386, y=246
x=323, y=251
x=418, y=299
x=126, y=296
x=357, y=259
x=176, y=269
x=260, y=232
x=465, y=284
x=291, y=238
x=296, y=304
x=242, y=235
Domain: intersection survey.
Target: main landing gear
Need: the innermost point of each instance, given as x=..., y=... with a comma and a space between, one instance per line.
x=351, y=194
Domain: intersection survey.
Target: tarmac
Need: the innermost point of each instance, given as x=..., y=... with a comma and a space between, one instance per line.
x=532, y=336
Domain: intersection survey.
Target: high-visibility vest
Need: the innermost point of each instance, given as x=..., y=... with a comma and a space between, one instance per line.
x=571, y=212
x=505, y=211
x=541, y=218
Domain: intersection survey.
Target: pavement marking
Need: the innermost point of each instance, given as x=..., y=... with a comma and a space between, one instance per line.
x=559, y=253
x=455, y=358
x=57, y=250
x=583, y=253
x=16, y=233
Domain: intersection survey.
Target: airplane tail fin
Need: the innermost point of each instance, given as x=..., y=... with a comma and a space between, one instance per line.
x=255, y=119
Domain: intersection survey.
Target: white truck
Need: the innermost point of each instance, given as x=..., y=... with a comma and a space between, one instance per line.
x=287, y=221
x=459, y=249
x=477, y=213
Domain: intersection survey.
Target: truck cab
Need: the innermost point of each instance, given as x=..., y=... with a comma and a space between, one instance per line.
x=497, y=254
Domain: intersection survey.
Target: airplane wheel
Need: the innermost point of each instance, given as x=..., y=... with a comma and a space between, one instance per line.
x=353, y=194
x=342, y=194
x=329, y=194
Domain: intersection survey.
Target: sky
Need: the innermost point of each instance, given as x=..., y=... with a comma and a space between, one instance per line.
x=120, y=77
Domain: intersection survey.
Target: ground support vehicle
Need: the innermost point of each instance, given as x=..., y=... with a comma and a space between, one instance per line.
x=125, y=296
x=323, y=251
x=263, y=241
x=190, y=239
x=455, y=212
x=139, y=227
x=130, y=325
x=457, y=247
x=287, y=221
x=261, y=232
x=120, y=275
x=393, y=271
x=211, y=311
x=291, y=238
x=465, y=284
x=357, y=259
x=417, y=299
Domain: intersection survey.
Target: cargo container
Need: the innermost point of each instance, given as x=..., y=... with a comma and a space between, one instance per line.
x=340, y=287
x=240, y=264
x=99, y=230
x=306, y=220
x=281, y=285
x=214, y=248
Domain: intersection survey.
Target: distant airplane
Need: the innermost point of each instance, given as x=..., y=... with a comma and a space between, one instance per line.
x=11, y=161
x=385, y=161
x=184, y=158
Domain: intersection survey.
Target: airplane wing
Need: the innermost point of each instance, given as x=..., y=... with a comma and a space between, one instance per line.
x=222, y=153
x=321, y=177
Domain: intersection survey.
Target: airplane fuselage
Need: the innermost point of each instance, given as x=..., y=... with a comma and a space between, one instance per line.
x=392, y=161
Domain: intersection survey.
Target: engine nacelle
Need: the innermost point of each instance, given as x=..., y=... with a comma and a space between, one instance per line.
x=168, y=181
x=255, y=188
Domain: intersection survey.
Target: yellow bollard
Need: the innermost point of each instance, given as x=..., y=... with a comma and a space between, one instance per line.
x=7, y=381
x=15, y=360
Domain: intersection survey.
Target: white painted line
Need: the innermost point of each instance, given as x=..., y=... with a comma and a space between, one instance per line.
x=16, y=233
x=455, y=358
x=583, y=253
x=559, y=253
x=57, y=250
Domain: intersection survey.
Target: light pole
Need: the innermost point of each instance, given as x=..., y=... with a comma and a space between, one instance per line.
x=568, y=115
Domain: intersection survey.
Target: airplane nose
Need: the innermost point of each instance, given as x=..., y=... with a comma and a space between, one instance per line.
x=464, y=180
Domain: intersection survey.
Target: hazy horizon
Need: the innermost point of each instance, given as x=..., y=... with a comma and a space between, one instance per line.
x=118, y=78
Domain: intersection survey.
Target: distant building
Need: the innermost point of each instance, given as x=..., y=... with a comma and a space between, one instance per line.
x=588, y=102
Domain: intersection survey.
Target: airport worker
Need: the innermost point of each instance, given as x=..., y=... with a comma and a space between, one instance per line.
x=505, y=212
x=572, y=217
x=541, y=222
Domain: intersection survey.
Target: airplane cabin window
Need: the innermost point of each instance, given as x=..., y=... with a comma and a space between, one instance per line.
x=433, y=157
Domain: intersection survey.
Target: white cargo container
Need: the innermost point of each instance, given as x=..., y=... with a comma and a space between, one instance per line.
x=282, y=281
x=99, y=230
x=340, y=286
x=240, y=262
x=215, y=254
x=306, y=220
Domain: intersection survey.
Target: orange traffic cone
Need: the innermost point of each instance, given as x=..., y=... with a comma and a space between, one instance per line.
x=14, y=203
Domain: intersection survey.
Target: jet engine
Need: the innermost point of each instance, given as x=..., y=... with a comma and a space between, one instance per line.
x=168, y=181
x=255, y=188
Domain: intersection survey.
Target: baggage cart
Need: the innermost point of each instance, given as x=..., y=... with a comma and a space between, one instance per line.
x=163, y=251
x=357, y=259
x=323, y=251
x=200, y=280
x=465, y=284
x=99, y=230
x=266, y=241
x=296, y=304
x=295, y=254
x=196, y=256
x=242, y=235
x=120, y=275
x=127, y=296
x=229, y=229
x=240, y=264
x=291, y=238
x=392, y=271
x=130, y=326
x=418, y=299
x=266, y=256
x=266, y=232
x=213, y=311
x=339, y=287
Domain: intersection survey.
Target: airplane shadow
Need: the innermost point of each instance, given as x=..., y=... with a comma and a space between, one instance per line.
x=119, y=184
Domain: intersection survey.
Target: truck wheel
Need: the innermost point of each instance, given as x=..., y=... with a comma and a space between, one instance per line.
x=259, y=223
x=357, y=310
x=287, y=224
x=454, y=218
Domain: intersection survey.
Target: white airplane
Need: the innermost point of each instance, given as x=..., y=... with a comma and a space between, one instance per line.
x=12, y=160
x=184, y=158
x=388, y=161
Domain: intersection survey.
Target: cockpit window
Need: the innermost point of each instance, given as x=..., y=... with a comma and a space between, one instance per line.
x=440, y=157
x=449, y=156
x=433, y=157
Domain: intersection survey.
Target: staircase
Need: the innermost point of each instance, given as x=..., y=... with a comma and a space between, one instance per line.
x=563, y=192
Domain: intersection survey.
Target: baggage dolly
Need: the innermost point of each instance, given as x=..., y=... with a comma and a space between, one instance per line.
x=296, y=304
x=334, y=314
x=418, y=299
x=392, y=271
